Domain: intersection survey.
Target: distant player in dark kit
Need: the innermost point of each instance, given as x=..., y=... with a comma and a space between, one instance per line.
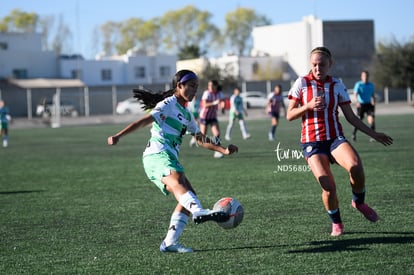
x=364, y=93
x=274, y=104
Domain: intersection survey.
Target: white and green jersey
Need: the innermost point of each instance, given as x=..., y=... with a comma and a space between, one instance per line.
x=171, y=122
x=236, y=104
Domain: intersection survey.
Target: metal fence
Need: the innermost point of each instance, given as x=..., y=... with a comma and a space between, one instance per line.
x=102, y=100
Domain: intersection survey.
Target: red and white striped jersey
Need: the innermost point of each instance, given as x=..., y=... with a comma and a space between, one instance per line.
x=324, y=124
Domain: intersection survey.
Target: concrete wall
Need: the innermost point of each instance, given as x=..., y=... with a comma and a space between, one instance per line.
x=24, y=52
x=352, y=45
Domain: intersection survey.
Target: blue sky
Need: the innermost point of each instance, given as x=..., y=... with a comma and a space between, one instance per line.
x=392, y=19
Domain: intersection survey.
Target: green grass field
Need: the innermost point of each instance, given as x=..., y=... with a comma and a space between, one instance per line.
x=70, y=204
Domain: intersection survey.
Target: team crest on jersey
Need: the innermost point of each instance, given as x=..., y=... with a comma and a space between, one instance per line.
x=309, y=149
x=162, y=117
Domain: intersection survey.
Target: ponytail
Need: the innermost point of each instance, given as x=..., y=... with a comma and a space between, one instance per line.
x=149, y=99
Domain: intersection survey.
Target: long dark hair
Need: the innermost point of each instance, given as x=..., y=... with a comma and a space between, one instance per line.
x=149, y=99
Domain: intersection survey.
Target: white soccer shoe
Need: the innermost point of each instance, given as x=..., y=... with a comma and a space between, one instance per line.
x=177, y=248
x=218, y=155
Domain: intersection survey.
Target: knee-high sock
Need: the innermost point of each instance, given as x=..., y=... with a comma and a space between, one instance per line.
x=229, y=128
x=243, y=128
x=190, y=202
x=177, y=224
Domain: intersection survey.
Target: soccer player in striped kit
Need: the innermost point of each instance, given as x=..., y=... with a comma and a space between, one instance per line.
x=315, y=99
x=211, y=100
x=170, y=121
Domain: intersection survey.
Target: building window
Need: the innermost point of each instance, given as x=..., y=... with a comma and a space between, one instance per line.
x=76, y=74
x=139, y=72
x=4, y=46
x=20, y=73
x=106, y=74
x=165, y=71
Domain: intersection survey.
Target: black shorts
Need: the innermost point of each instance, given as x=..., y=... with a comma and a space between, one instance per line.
x=274, y=114
x=208, y=121
x=366, y=108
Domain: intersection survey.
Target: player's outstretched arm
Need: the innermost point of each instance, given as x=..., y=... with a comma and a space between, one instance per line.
x=357, y=122
x=208, y=143
x=113, y=140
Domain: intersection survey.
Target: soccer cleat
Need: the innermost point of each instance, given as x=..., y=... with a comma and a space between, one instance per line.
x=192, y=142
x=353, y=137
x=271, y=137
x=337, y=229
x=210, y=215
x=5, y=143
x=247, y=136
x=228, y=138
x=218, y=155
x=177, y=248
x=367, y=211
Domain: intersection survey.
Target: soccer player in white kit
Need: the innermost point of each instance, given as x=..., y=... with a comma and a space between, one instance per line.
x=170, y=121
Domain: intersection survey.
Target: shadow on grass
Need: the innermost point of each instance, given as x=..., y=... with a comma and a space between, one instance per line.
x=356, y=244
x=243, y=247
x=20, y=192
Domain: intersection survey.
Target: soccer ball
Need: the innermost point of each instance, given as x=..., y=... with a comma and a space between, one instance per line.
x=233, y=208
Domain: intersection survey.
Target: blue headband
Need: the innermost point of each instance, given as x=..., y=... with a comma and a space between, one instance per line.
x=187, y=77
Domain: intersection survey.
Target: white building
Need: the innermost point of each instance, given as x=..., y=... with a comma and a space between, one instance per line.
x=21, y=56
x=127, y=69
x=293, y=41
x=350, y=41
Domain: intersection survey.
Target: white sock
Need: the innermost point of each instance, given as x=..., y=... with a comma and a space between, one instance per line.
x=243, y=128
x=190, y=202
x=177, y=225
x=229, y=128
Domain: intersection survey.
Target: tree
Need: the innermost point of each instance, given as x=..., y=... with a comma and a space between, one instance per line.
x=190, y=52
x=239, y=26
x=110, y=31
x=393, y=65
x=61, y=42
x=19, y=21
x=188, y=26
x=150, y=36
x=46, y=24
x=213, y=72
x=140, y=35
x=129, y=31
